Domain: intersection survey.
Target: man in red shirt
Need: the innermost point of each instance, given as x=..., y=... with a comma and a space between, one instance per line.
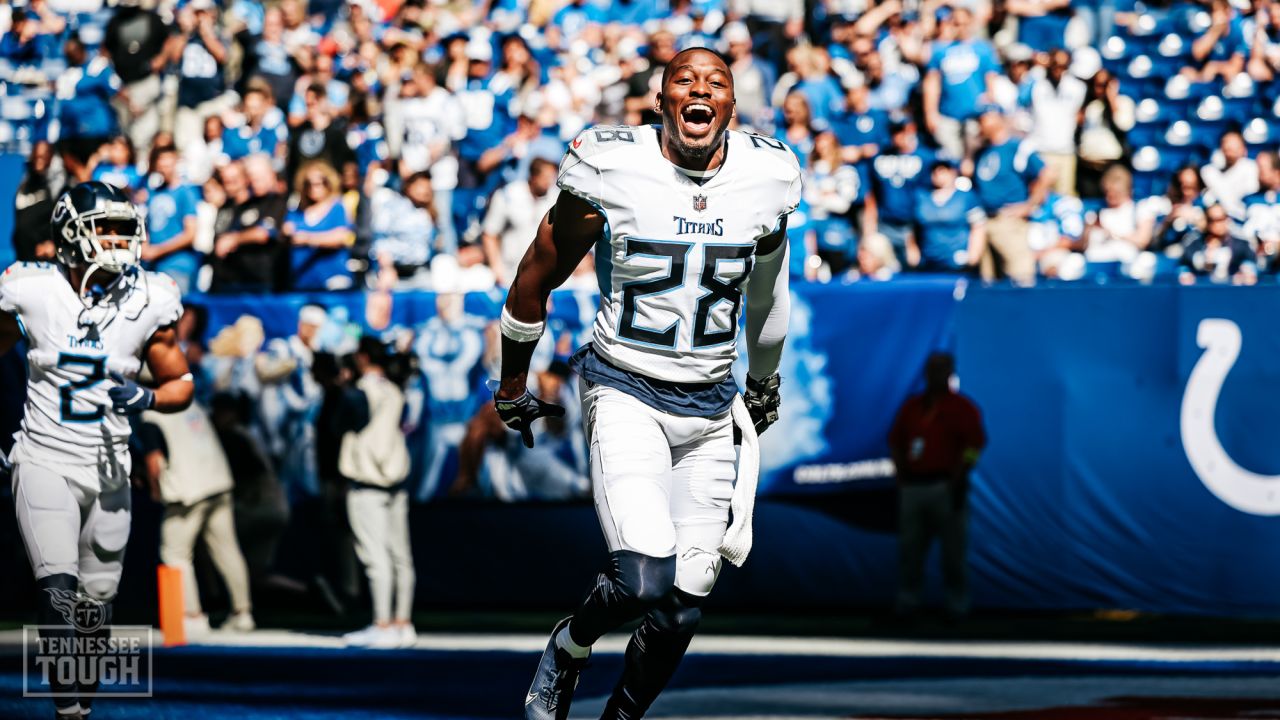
x=935, y=442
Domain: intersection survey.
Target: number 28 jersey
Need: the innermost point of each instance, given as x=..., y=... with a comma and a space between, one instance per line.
x=71, y=354
x=675, y=253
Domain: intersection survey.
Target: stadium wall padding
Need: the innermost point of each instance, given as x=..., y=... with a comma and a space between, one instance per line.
x=1132, y=463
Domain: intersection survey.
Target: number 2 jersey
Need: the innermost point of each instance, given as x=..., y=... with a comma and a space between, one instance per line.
x=72, y=351
x=676, y=252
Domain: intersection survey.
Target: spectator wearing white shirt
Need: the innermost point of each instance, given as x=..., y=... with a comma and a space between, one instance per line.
x=423, y=124
x=1056, y=101
x=1114, y=234
x=513, y=216
x=1262, y=210
x=1231, y=175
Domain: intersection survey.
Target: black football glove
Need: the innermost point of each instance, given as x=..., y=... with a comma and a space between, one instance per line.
x=128, y=397
x=520, y=413
x=762, y=401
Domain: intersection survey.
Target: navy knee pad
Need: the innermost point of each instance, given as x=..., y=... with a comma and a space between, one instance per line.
x=630, y=587
x=679, y=615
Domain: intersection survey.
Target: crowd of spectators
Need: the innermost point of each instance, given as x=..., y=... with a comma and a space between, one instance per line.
x=330, y=145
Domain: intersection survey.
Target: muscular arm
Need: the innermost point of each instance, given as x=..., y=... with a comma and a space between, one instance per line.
x=565, y=236
x=174, y=388
x=10, y=332
x=768, y=304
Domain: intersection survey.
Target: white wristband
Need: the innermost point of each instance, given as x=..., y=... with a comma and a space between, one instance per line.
x=520, y=331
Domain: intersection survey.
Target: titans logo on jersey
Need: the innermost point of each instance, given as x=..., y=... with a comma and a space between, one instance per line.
x=677, y=252
x=72, y=351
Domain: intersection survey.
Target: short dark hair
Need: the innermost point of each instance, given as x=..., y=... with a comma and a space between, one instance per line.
x=671, y=66
x=537, y=164
x=373, y=349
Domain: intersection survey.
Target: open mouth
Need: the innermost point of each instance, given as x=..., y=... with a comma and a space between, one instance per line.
x=697, y=117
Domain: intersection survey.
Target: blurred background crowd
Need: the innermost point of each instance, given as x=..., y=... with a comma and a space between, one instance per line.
x=328, y=145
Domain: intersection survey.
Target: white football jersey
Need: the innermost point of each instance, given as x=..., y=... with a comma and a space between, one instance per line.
x=675, y=253
x=72, y=352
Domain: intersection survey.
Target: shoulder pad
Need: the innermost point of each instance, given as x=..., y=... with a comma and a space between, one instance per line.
x=766, y=146
x=24, y=269
x=601, y=139
x=166, y=298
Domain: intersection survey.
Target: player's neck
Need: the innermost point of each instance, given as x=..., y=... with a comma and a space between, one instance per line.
x=708, y=164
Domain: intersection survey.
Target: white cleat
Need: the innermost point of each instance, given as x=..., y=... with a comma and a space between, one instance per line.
x=241, y=622
x=195, y=627
x=408, y=635
x=378, y=638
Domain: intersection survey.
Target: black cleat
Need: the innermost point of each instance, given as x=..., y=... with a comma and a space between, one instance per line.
x=557, y=677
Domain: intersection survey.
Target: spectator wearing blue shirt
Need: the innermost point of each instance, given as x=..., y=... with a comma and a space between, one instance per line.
x=1011, y=182
x=861, y=129
x=573, y=18
x=268, y=57
x=320, y=232
x=85, y=115
x=491, y=140
x=1221, y=50
x=1042, y=24
x=263, y=129
x=826, y=96
x=952, y=225
x=117, y=165
x=403, y=229
x=798, y=131
x=171, y=221
x=200, y=54
x=961, y=70
x=889, y=92
x=896, y=175
x=19, y=46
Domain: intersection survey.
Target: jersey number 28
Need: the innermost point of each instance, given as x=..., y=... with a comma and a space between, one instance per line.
x=95, y=372
x=715, y=290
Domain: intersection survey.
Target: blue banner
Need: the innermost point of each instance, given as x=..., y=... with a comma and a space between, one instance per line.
x=1132, y=462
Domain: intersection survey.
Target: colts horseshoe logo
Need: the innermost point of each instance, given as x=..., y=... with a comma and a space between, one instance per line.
x=1238, y=487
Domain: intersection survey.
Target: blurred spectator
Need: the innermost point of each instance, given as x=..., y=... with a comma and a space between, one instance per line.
x=248, y=227
x=1056, y=102
x=403, y=227
x=1231, y=175
x=1217, y=254
x=319, y=136
x=1056, y=237
x=267, y=57
x=258, y=126
x=753, y=78
x=261, y=513
x=1264, y=54
x=1168, y=218
x=291, y=400
x=876, y=259
x=319, y=232
x=774, y=24
x=951, y=223
x=171, y=221
x=961, y=70
x=1114, y=234
x=935, y=441
x=1262, y=210
x=423, y=123
x=1107, y=119
x=33, y=205
x=1042, y=24
x=797, y=126
x=85, y=115
x=887, y=92
x=335, y=93
x=1011, y=181
x=897, y=174
x=201, y=54
x=1220, y=51
x=188, y=472
x=860, y=128
x=643, y=87
x=117, y=164
x=514, y=213
x=200, y=157
x=375, y=459
x=135, y=40
x=19, y=45
x=832, y=187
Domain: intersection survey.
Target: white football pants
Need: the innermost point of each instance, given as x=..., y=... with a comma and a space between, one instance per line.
x=661, y=482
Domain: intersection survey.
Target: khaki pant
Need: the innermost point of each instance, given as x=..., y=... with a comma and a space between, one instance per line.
x=1064, y=172
x=1008, y=254
x=926, y=512
x=380, y=523
x=212, y=520
x=142, y=125
x=959, y=138
x=188, y=123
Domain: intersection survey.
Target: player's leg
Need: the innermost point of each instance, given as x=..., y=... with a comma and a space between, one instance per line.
x=49, y=523
x=103, y=537
x=224, y=550
x=702, y=479
x=630, y=474
x=631, y=482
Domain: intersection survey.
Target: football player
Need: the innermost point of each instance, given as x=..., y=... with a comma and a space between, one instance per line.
x=90, y=321
x=686, y=218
